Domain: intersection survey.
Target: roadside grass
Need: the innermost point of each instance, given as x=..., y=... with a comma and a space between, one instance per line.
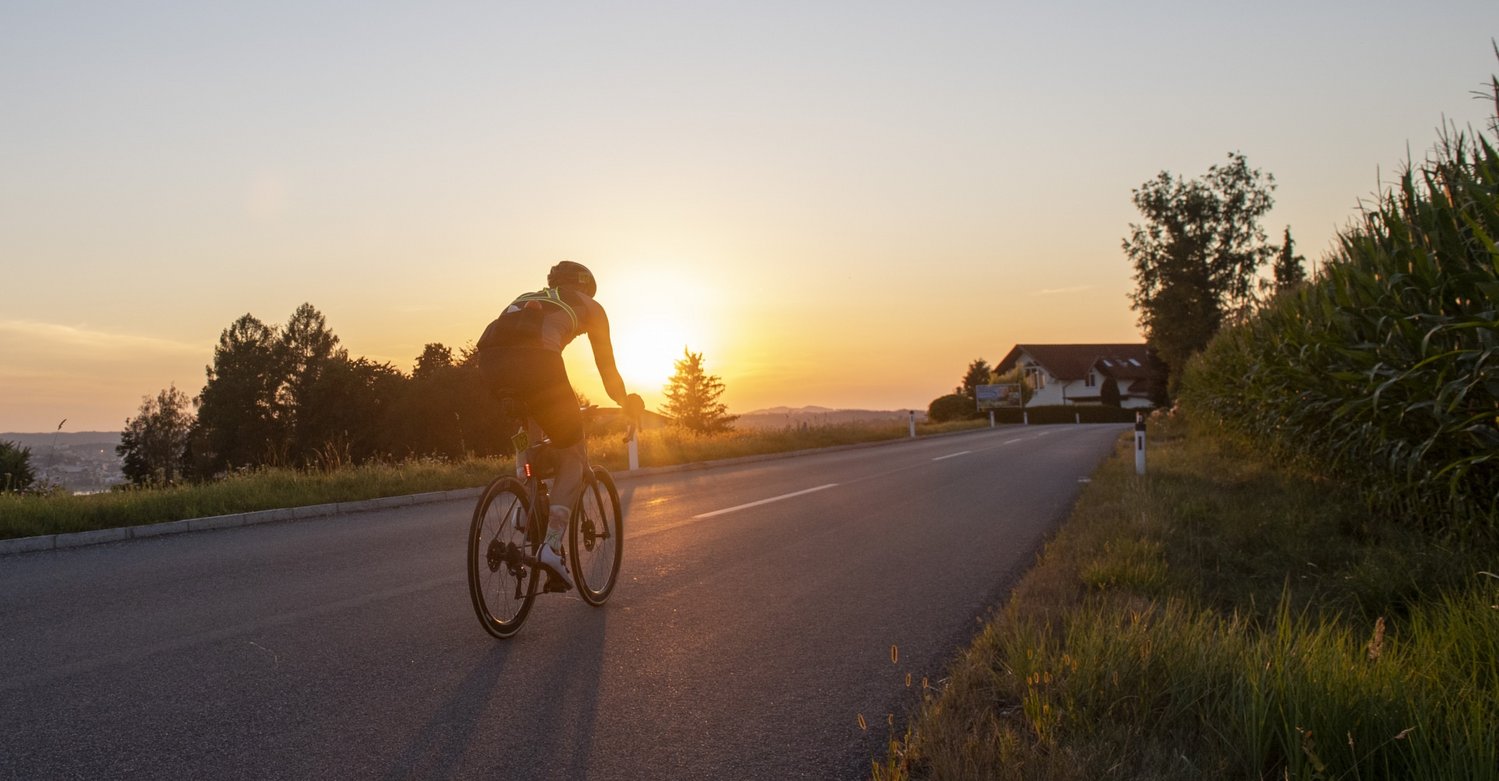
x=1224, y=618
x=265, y=489
x=261, y=489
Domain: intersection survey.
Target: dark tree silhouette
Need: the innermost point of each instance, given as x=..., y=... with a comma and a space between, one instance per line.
x=1196, y=255
x=692, y=398
x=154, y=444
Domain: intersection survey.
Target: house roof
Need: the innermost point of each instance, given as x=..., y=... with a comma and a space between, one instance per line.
x=1073, y=361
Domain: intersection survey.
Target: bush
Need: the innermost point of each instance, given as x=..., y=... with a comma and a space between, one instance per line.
x=15, y=467
x=953, y=406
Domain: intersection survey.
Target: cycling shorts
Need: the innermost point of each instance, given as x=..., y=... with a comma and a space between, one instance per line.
x=537, y=378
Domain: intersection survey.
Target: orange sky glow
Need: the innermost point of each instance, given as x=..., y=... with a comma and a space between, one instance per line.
x=838, y=204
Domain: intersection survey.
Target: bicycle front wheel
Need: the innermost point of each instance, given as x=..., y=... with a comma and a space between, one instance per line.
x=597, y=538
x=501, y=580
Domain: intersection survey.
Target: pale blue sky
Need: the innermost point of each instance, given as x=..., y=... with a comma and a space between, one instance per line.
x=843, y=202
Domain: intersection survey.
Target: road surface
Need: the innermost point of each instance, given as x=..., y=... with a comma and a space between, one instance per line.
x=765, y=609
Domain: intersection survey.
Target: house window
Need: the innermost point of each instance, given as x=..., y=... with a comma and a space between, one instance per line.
x=1091, y=380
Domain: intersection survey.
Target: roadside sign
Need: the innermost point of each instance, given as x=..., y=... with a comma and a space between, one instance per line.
x=996, y=396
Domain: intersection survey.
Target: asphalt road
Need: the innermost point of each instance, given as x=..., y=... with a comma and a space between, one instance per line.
x=744, y=644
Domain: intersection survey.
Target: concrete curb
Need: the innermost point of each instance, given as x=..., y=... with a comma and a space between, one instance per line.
x=101, y=536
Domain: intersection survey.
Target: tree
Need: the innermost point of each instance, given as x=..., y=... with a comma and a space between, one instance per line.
x=1108, y=393
x=154, y=444
x=1289, y=269
x=308, y=349
x=692, y=398
x=1197, y=254
x=434, y=358
x=240, y=419
x=978, y=374
x=16, y=473
x=346, y=412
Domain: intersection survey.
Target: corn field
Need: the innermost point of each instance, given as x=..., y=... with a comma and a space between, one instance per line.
x=1384, y=371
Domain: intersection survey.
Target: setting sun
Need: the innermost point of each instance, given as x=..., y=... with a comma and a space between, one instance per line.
x=656, y=310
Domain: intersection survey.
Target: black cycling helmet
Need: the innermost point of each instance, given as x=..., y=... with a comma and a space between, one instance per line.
x=575, y=274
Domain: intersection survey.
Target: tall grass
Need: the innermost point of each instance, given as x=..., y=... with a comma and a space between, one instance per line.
x=1224, y=618
x=262, y=489
x=1384, y=372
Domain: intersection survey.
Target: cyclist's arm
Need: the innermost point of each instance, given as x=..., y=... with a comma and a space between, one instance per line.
x=603, y=355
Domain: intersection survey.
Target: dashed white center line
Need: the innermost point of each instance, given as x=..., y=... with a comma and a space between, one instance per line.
x=738, y=507
x=952, y=455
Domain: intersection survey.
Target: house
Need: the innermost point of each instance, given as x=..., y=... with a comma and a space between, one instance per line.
x=1076, y=373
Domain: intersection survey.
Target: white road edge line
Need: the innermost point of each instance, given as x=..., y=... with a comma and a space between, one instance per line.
x=739, y=507
x=952, y=455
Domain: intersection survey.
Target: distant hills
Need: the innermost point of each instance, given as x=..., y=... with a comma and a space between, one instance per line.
x=792, y=417
x=63, y=439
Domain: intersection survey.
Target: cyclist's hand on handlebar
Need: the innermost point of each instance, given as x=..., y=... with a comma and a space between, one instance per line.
x=634, y=407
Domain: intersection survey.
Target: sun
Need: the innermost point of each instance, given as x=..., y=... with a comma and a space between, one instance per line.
x=646, y=352
x=655, y=313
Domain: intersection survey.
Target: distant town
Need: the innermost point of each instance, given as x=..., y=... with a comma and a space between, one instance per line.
x=80, y=462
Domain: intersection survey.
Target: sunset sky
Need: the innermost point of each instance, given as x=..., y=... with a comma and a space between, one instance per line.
x=838, y=203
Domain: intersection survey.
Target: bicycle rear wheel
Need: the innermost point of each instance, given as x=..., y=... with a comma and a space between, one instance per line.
x=597, y=538
x=501, y=581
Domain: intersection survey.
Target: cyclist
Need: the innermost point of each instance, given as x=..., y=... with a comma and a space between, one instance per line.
x=520, y=355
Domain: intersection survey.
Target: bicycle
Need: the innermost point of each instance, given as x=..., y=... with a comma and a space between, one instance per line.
x=509, y=528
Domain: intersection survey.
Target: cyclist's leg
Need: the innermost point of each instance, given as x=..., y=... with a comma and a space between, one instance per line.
x=553, y=405
x=556, y=409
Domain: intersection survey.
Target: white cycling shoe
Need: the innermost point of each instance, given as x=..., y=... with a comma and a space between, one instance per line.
x=556, y=569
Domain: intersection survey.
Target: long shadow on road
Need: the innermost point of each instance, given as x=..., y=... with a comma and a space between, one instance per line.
x=509, y=723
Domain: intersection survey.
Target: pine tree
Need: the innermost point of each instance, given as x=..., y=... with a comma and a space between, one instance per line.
x=1288, y=268
x=692, y=398
x=978, y=374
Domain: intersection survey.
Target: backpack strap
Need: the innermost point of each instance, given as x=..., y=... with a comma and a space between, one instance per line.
x=549, y=296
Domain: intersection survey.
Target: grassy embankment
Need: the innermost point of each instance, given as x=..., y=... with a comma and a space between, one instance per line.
x=1334, y=617
x=1223, y=617
x=29, y=515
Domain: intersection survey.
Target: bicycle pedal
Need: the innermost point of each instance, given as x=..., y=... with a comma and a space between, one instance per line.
x=555, y=585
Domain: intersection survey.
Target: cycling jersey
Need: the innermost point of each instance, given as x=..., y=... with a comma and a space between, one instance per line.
x=549, y=319
x=513, y=350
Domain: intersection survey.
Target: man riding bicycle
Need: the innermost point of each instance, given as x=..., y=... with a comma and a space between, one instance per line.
x=520, y=355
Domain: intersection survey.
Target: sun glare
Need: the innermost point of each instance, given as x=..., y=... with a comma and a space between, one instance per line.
x=655, y=312
x=646, y=351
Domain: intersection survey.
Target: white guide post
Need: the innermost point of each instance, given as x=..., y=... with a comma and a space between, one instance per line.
x=1139, y=443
